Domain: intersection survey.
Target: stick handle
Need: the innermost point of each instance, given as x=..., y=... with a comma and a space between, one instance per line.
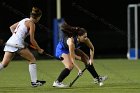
x=61, y=58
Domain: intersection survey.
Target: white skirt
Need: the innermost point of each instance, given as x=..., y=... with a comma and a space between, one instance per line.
x=10, y=48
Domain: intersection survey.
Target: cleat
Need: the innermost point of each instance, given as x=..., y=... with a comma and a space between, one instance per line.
x=96, y=81
x=59, y=84
x=38, y=83
x=103, y=78
x=33, y=84
x=100, y=80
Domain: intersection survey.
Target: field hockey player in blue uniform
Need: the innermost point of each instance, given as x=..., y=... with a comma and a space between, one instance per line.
x=68, y=49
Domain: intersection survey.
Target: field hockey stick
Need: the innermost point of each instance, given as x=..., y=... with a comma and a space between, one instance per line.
x=61, y=58
x=77, y=77
x=45, y=53
x=31, y=46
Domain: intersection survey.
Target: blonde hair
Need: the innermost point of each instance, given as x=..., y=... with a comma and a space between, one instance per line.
x=36, y=12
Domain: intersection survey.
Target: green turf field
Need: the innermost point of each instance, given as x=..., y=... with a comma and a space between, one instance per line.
x=124, y=77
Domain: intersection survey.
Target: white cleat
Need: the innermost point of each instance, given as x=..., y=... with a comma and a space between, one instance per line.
x=38, y=83
x=101, y=80
x=59, y=84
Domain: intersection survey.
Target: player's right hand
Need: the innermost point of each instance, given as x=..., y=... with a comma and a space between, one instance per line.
x=80, y=73
x=40, y=51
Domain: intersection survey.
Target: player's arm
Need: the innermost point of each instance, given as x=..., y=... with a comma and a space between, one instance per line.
x=91, y=47
x=72, y=52
x=32, y=37
x=13, y=27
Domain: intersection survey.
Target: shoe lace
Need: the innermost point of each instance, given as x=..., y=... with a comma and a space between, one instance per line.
x=60, y=83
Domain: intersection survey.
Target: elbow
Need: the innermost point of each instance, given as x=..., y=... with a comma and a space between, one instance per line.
x=32, y=41
x=12, y=30
x=92, y=49
x=10, y=27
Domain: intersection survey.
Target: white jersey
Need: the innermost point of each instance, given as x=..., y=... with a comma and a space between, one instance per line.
x=18, y=37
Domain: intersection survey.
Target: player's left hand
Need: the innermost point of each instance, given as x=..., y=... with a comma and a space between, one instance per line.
x=40, y=51
x=91, y=61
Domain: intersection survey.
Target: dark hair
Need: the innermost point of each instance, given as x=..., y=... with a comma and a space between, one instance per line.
x=72, y=31
x=36, y=12
x=81, y=31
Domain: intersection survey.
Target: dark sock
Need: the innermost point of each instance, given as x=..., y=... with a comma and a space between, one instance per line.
x=63, y=75
x=92, y=71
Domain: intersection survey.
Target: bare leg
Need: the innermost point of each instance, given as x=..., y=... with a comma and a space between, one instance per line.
x=8, y=56
x=65, y=72
x=25, y=53
x=68, y=67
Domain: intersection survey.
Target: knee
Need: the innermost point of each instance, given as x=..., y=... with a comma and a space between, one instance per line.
x=70, y=67
x=85, y=59
x=32, y=60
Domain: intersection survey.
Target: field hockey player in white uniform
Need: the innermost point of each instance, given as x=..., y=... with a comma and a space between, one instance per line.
x=16, y=44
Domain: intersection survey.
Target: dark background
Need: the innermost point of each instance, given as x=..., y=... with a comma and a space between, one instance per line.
x=105, y=21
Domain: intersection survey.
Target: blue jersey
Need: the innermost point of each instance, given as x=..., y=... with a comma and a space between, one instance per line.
x=62, y=46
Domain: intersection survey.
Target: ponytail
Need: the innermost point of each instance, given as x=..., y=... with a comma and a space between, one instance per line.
x=36, y=12
x=72, y=31
x=68, y=30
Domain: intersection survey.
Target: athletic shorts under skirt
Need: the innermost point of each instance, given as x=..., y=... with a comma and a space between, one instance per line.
x=60, y=49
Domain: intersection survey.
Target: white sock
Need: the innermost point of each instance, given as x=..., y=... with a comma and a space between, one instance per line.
x=33, y=73
x=1, y=66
